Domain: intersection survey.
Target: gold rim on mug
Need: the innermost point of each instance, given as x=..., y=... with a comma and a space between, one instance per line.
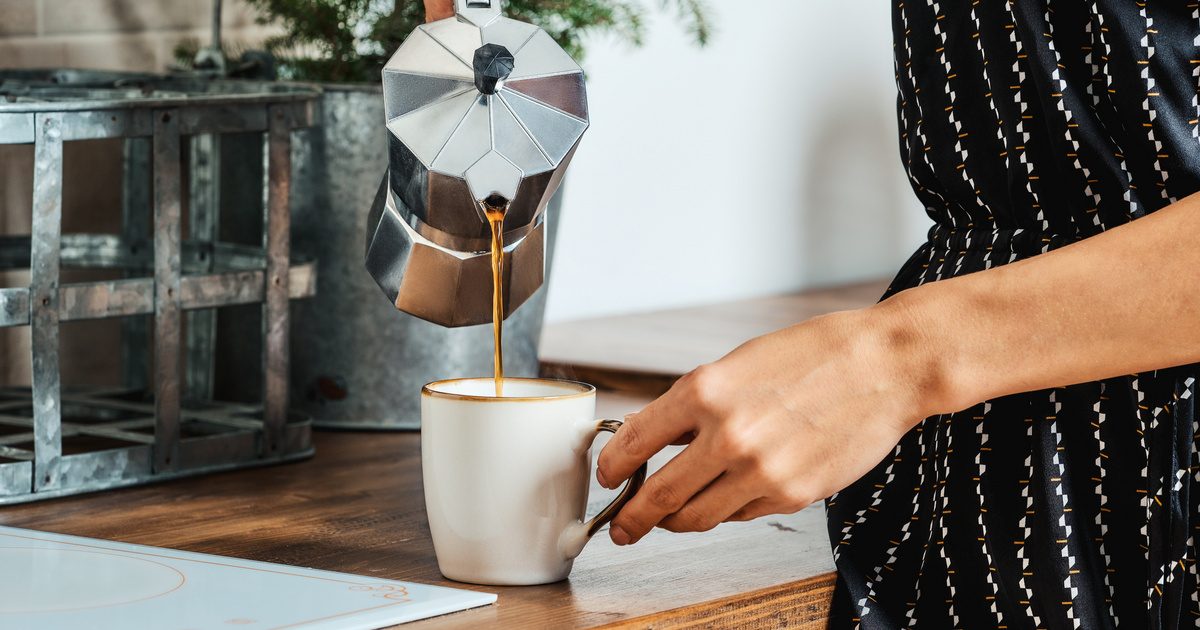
x=583, y=390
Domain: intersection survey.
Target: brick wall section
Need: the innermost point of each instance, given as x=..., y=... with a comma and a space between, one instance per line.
x=137, y=35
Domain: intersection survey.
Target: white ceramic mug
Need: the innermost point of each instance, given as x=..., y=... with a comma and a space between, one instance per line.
x=506, y=479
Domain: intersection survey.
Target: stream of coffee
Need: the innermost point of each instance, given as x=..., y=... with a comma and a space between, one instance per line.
x=495, y=217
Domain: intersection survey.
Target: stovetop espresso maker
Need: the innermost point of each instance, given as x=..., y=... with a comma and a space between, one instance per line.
x=481, y=109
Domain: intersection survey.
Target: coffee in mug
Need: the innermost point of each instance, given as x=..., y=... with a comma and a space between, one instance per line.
x=506, y=478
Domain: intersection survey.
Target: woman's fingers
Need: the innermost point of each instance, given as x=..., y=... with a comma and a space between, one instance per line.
x=664, y=493
x=642, y=435
x=714, y=504
x=755, y=509
x=686, y=438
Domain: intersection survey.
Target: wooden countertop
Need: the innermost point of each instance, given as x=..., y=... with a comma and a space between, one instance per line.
x=357, y=506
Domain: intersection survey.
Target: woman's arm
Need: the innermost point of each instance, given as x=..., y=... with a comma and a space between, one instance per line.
x=794, y=416
x=438, y=9
x=1121, y=302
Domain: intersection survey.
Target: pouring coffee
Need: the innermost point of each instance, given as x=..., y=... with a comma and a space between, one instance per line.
x=482, y=111
x=484, y=114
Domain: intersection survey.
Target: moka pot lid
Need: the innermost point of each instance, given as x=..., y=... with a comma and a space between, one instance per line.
x=486, y=99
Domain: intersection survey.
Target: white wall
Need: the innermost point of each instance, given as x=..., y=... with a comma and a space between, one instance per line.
x=762, y=164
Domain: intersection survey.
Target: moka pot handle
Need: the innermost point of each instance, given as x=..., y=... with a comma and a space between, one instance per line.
x=478, y=12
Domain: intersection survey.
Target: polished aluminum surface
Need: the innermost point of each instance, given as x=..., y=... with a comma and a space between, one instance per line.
x=159, y=433
x=449, y=291
x=357, y=362
x=476, y=106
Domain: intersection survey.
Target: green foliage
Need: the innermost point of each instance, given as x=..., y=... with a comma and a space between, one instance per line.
x=349, y=40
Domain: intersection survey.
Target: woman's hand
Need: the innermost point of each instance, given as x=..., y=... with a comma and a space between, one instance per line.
x=799, y=414
x=438, y=9
x=782, y=421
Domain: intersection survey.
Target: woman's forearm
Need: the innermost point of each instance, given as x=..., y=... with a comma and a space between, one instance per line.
x=1121, y=302
x=799, y=414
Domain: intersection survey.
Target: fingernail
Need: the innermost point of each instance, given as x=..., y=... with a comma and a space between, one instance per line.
x=600, y=478
x=618, y=535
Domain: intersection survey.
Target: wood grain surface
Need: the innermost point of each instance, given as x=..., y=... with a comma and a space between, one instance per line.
x=803, y=604
x=357, y=506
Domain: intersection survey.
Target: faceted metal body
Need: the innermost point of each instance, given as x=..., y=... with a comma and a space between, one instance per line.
x=477, y=105
x=357, y=362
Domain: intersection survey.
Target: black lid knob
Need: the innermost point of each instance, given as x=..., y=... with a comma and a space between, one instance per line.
x=493, y=64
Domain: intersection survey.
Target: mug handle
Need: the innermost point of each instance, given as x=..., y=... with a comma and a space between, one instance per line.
x=631, y=487
x=573, y=540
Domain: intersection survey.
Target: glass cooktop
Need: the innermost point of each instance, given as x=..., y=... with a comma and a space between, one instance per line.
x=56, y=581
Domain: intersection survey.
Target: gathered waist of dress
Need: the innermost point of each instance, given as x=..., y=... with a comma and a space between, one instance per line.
x=956, y=251
x=1023, y=242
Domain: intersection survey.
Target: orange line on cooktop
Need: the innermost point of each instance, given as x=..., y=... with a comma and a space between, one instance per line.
x=182, y=581
x=220, y=564
x=156, y=555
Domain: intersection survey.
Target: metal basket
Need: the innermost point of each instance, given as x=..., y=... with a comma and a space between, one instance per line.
x=56, y=442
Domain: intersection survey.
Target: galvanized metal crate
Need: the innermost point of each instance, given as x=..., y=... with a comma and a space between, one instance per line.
x=57, y=442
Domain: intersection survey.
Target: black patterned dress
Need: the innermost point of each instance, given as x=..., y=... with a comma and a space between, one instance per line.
x=1025, y=126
